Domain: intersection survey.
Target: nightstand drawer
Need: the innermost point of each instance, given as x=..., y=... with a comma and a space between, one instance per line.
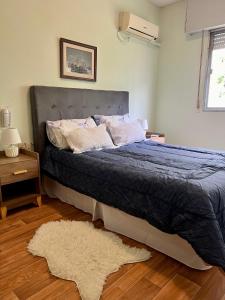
x=18, y=171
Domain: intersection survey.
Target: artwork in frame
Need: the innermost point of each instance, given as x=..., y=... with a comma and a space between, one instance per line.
x=77, y=60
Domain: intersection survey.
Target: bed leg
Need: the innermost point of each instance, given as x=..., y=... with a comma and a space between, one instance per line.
x=38, y=200
x=3, y=211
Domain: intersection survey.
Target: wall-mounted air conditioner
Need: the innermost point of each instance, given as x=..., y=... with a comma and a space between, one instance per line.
x=132, y=24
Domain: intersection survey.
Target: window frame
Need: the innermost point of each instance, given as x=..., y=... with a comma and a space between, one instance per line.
x=208, y=73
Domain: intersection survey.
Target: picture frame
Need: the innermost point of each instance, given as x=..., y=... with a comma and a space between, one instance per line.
x=77, y=60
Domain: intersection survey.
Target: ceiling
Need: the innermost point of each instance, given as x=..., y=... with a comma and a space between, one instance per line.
x=163, y=2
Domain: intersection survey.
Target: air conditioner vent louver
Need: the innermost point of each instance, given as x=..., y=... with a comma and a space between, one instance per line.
x=142, y=32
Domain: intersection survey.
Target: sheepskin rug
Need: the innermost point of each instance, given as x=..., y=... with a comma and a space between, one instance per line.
x=79, y=252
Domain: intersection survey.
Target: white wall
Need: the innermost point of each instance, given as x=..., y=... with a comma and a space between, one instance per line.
x=29, y=51
x=177, y=87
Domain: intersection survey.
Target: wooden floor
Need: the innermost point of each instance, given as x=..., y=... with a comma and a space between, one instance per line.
x=23, y=276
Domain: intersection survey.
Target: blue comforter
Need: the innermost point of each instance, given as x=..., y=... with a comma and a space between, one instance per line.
x=176, y=189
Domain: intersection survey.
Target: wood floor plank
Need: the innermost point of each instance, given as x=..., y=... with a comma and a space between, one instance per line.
x=46, y=210
x=214, y=287
x=143, y=289
x=130, y=278
x=70, y=295
x=6, y=227
x=162, y=269
x=9, y=296
x=199, y=277
x=12, y=257
x=58, y=288
x=116, y=275
x=6, y=252
x=112, y=294
x=18, y=264
x=16, y=232
x=178, y=288
x=23, y=276
x=33, y=286
x=17, y=214
x=20, y=239
x=39, y=214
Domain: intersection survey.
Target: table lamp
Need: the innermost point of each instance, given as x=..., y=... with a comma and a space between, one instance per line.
x=144, y=124
x=11, y=139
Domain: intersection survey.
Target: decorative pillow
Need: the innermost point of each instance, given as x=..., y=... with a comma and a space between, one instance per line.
x=101, y=119
x=79, y=123
x=87, y=139
x=55, y=136
x=126, y=133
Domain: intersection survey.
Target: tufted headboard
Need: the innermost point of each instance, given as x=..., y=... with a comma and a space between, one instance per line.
x=55, y=103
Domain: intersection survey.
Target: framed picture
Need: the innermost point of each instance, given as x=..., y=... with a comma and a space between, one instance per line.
x=77, y=61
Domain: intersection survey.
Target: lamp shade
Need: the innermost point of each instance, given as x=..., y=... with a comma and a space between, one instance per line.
x=10, y=136
x=143, y=123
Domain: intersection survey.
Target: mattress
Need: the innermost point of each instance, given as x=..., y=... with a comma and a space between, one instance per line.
x=176, y=189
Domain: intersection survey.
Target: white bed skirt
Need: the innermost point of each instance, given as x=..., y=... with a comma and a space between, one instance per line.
x=130, y=226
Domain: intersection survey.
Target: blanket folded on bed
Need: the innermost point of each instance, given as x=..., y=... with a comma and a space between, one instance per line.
x=176, y=189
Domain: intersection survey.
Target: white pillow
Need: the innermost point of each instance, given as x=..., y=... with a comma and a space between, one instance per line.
x=55, y=136
x=87, y=139
x=101, y=119
x=126, y=133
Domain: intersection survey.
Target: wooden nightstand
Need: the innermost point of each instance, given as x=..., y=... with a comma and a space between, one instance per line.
x=157, y=137
x=19, y=180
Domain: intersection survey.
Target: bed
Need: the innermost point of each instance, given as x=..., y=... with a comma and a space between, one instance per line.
x=186, y=197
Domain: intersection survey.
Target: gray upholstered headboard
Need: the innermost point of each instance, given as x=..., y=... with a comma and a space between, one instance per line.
x=55, y=103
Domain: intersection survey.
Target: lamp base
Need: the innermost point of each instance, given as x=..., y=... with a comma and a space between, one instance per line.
x=12, y=151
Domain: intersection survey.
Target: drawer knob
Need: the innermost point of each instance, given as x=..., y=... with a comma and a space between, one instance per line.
x=20, y=172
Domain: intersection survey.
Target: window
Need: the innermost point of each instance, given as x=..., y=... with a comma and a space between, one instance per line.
x=215, y=83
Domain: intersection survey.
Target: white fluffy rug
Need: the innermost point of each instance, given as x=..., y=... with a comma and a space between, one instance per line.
x=78, y=251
